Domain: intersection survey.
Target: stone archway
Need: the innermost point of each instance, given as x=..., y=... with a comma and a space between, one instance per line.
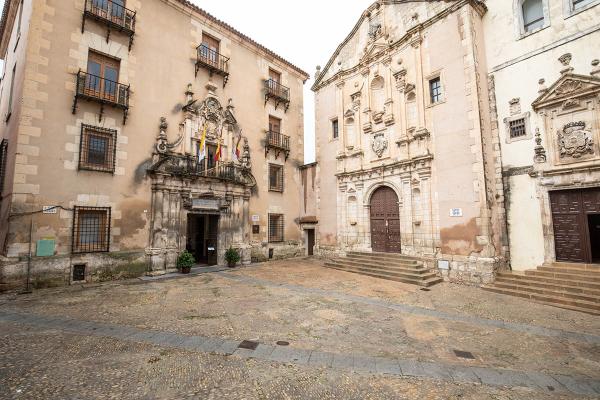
x=385, y=221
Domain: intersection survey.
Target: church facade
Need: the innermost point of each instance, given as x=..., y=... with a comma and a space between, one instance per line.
x=446, y=147
x=133, y=130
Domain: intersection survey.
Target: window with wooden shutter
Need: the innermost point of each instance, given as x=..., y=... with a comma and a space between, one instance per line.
x=103, y=76
x=275, y=178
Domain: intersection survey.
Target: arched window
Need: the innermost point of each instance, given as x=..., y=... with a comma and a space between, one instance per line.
x=411, y=110
x=533, y=14
x=350, y=132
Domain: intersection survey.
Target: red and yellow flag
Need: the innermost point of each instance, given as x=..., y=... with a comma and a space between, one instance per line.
x=218, y=152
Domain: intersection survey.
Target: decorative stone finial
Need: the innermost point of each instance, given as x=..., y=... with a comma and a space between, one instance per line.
x=596, y=67
x=540, y=152
x=565, y=60
x=542, y=88
x=189, y=94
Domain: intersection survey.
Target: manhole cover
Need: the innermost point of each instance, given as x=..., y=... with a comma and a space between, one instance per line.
x=283, y=343
x=464, y=354
x=425, y=290
x=248, y=344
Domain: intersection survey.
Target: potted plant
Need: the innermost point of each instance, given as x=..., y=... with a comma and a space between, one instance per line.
x=232, y=256
x=185, y=261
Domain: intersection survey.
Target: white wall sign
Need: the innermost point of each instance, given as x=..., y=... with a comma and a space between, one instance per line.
x=255, y=218
x=49, y=209
x=206, y=204
x=444, y=264
x=456, y=212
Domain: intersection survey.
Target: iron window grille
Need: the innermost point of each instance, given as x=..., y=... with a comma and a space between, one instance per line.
x=3, y=156
x=335, y=127
x=275, y=228
x=517, y=128
x=435, y=90
x=275, y=178
x=97, y=149
x=91, y=229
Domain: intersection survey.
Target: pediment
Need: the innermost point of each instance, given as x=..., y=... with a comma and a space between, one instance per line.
x=567, y=87
x=373, y=50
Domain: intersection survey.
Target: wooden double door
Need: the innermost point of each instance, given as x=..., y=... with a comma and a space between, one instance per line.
x=576, y=220
x=385, y=221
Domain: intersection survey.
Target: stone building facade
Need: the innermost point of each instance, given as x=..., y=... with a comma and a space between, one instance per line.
x=104, y=106
x=403, y=118
x=545, y=75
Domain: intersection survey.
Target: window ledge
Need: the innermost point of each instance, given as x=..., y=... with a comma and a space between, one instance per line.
x=525, y=35
x=437, y=103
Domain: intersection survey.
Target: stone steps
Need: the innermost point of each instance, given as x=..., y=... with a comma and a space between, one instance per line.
x=570, y=286
x=394, y=267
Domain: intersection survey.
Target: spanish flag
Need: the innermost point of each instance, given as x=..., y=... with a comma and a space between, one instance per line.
x=218, y=152
x=237, y=151
x=202, y=146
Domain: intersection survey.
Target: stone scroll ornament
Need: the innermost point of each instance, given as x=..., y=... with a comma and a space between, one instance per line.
x=379, y=145
x=575, y=140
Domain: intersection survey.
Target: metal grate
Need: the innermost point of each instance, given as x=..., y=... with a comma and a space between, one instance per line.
x=517, y=128
x=435, y=90
x=91, y=229
x=113, y=12
x=97, y=149
x=248, y=344
x=78, y=272
x=275, y=178
x=275, y=228
x=464, y=354
x=3, y=156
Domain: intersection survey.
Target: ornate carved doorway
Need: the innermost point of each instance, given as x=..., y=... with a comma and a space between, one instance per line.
x=202, y=233
x=385, y=221
x=574, y=218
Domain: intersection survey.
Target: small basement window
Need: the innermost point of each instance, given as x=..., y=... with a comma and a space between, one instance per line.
x=78, y=272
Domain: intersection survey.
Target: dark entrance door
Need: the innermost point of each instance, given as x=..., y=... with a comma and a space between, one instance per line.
x=310, y=238
x=594, y=227
x=385, y=221
x=573, y=216
x=202, y=232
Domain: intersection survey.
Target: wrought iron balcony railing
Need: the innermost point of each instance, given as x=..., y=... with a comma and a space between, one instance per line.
x=104, y=91
x=189, y=167
x=278, y=142
x=113, y=14
x=278, y=92
x=213, y=61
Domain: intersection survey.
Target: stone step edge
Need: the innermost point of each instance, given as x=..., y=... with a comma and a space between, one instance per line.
x=572, y=271
x=572, y=282
x=539, y=284
x=556, y=299
x=416, y=269
x=418, y=282
x=550, y=292
x=395, y=273
x=560, y=275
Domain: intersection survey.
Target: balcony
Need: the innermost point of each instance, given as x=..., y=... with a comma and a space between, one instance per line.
x=189, y=167
x=213, y=61
x=104, y=91
x=112, y=14
x=276, y=91
x=277, y=142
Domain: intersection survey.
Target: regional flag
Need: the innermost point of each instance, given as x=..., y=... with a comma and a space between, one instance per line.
x=237, y=151
x=218, y=152
x=202, y=146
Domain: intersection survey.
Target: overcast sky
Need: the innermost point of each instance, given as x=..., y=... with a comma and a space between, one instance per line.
x=304, y=32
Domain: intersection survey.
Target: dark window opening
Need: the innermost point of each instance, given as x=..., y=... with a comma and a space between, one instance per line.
x=594, y=227
x=97, y=149
x=517, y=128
x=275, y=228
x=256, y=229
x=78, y=272
x=435, y=90
x=335, y=127
x=91, y=229
x=275, y=178
x=3, y=156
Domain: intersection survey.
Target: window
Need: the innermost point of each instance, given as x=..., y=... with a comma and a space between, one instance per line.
x=91, y=229
x=274, y=76
x=275, y=228
x=533, y=14
x=3, y=156
x=10, y=94
x=19, y=24
x=103, y=76
x=209, y=51
x=517, y=128
x=113, y=10
x=579, y=4
x=435, y=90
x=274, y=124
x=275, y=178
x=97, y=149
x=335, y=128
x=255, y=229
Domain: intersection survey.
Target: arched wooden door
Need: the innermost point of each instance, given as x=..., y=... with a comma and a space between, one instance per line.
x=385, y=221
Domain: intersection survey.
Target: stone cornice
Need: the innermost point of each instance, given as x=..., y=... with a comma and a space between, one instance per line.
x=407, y=38
x=421, y=163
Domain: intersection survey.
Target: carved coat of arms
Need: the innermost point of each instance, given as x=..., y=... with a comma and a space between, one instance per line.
x=379, y=145
x=575, y=140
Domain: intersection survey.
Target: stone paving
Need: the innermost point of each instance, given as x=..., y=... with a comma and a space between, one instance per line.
x=343, y=344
